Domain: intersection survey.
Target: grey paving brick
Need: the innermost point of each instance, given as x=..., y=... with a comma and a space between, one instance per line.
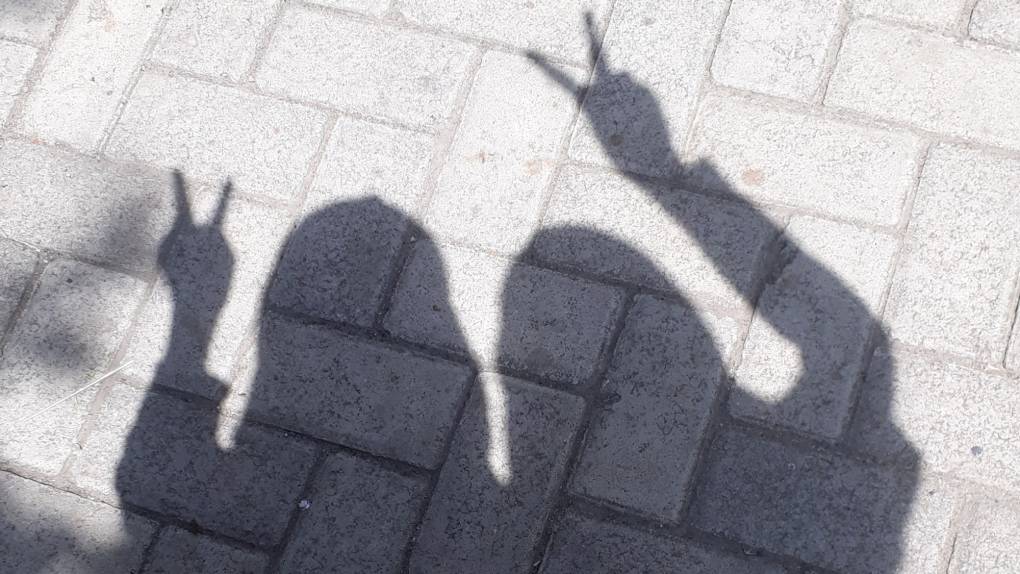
x=495, y=490
x=514, y=315
x=785, y=157
x=87, y=70
x=996, y=21
x=63, y=340
x=255, y=234
x=822, y=508
x=776, y=48
x=338, y=261
x=988, y=541
x=642, y=444
x=555, y=28
x=15, y=61
x=492, y=186
x=585, y=545
x=314, y=380
x=214, y=38
x=806, y=346
x=665, y=46
x=181, y=551
x=30, y=20
x=938, y=14
x=954, y=287
x=962, y=421
x=213, y=132
x=17, y=263
x=362, y=67
x=99, y=210
x=929, y=81
x=160, y=453
x=361, y=519
x=49, y=531
x=701, y=246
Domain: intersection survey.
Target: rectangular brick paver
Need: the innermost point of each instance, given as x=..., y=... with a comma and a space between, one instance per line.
x=929, y=81
x=996, y=21
x=178, y=550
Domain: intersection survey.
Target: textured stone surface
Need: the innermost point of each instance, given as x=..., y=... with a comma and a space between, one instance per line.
x=514, y=315
x=15, y=61
x=938, y=14
x=361, y=519
x=642, y=444
x=212, y=37
x=555, y=28
x=961, y=420
x=88, y=69
x=494, y=492
x=822, y=508
x=104, y=211
x=380, y=71
x=928, y=81
x=374, y=7
x=17, y=263
x=63, y=341
x=30, y=20
x=806, y=347
x=492, y=186
x=996, y=21
x=659, y=238
x=46, y=530
x=663, y=46
x=954, y=289
x=213, y=132
x=776, y=48
x=314, y=380
x=988, y=541
x=771, y=154
x=181, y=551
x=585, y=545
x=159, y=452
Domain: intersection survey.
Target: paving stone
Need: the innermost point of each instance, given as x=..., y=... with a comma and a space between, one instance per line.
x=585, y=545
x=214, y=38
x=659, y=238
x=365, y=68
x=954, y=287
x=642, y=444
x=996, y=21
x=49, y=531
x=15, y=62
x=63, y=340
x=987, y=543
x=213, y=132
x=523, y=317
x=656, y=52
x=776, y=48
x=806, y=346
x=929, y=81
x=181, y=551
x=493, y=184
x=30, y=20
x=361, y=519
x=17, y=263
x=554, y=28
x=496, y=488
x=98, y=210
x=338, y=261
x=938, y=14
x=962, y=421
x=160, y=453
x=779, y=156
x=316, y=381
x=254, y=235
x=88, y=69
x=822, y=508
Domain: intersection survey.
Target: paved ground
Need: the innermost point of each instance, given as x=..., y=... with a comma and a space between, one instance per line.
x=432, y=286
